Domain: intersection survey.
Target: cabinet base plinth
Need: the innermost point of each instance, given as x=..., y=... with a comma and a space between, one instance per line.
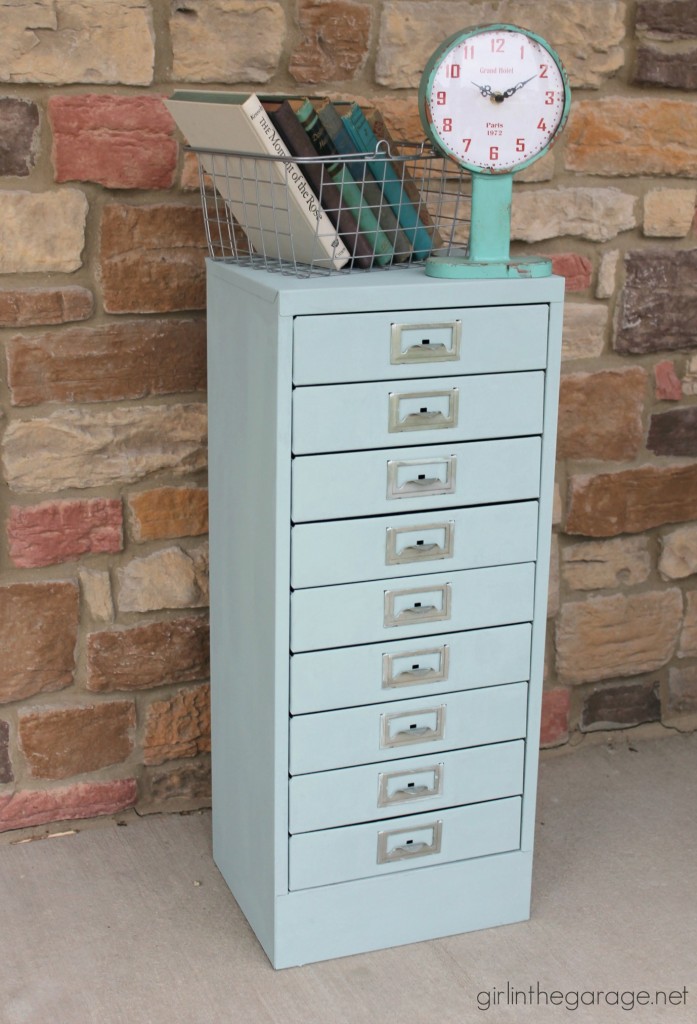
x=399, y=909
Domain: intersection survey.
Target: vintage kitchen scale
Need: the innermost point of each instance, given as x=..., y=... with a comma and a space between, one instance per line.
x=494, y=98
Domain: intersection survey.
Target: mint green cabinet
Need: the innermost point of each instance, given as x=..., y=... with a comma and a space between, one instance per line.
x=381, y=474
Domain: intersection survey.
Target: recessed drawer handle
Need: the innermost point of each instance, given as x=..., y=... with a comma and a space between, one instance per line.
x=431, y=665
x=423, y=410
x=417, y=604
x=417, y=343
x=425, y=726
x=399, y=550
x=412, y=477
x=405, y=843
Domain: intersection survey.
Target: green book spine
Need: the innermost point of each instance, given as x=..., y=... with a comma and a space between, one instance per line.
x=350, y=191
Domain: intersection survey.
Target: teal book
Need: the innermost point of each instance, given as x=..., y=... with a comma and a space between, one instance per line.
x=351, y=194
x=366, y=140
x=372, y=191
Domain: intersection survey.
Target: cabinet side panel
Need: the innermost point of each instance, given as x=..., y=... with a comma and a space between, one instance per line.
x=539, y=631
x=249, y=416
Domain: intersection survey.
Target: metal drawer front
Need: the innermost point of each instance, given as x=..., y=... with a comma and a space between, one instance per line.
x=406, y=786
x=428, y=725
x=416, y=343
x=357, y=613
x=402, y=669
x=393, y=481
x=419, y=840
x=348, y=551
x=345, y=417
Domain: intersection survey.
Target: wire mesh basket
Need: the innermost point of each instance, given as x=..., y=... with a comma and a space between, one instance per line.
x=323, y=215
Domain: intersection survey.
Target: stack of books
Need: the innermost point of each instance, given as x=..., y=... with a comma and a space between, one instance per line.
x=309, y=181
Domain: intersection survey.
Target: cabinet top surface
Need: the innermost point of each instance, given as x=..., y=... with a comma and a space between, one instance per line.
x=399, y=288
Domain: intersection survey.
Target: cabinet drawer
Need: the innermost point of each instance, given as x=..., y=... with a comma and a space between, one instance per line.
x=403, y=669
x=345, y=417
x=420, y=840
x=407, y=786
x=428, y=725
x=360, y=613
x=418, y=343
x=352, y=550
x=437, y=476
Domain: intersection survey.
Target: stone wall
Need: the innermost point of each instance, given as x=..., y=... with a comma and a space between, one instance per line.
x=103, y=627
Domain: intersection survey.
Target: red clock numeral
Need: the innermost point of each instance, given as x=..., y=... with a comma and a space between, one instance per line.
x=544, y=68
x=467, y=143
x=468, y=52
x=493, y=152
x=549, y=99
x=452, y=70
x=522, y=53
x=497, y=45
x=440, y=98
x=520, y=145
x=542, y=125
x=447, y=125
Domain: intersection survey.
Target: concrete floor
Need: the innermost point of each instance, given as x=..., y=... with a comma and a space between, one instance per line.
x=134, y=925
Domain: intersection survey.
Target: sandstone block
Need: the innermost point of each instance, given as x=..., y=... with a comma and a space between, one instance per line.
x=556, y=705
x=167, y=512
x=678, y=557
x=151, y=258
x=174, y=651
x=673, y=432
x=689, y=380
x=621, y=706
x=165, y=579
x=598, y=214
x=658, y=311
x=26, y=307
x=585, y=326
x=29, y=807
x=42, y=231
x=632, y=500
x=117, y=141
x=19, y=131
x=6, y=773
x=62, y=41
x=676, y=19
x=228, y=41
x=58, y=531
x=669, y=212
x=688, y=637
x=656, y=65
x=187, y=784
x=617, y=136
x=588, y=36
x=607, y=275
x=38, y=634
x=610, y=637
x=179, y=726
x=575, y=268
x=601, y=564
x=334, y=41
x=682, y=690
x=87, y=448
x=108, y=363
x=95, y=587
x=600, y=414
x=65, y=741
x=668, y=386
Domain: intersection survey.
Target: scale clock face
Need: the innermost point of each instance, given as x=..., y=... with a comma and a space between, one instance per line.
x=494, y=98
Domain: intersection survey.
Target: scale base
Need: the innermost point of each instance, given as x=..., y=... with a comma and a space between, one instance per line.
x=460, y=267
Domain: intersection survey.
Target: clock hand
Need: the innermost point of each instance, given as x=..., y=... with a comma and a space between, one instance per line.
x=485, y=90
x=509, y=92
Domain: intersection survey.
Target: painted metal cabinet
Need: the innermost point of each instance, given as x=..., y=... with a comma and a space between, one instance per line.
x=381, y=474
